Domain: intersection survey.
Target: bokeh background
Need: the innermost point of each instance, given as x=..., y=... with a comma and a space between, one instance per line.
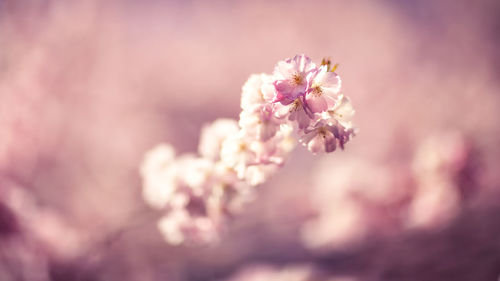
x=86, y=87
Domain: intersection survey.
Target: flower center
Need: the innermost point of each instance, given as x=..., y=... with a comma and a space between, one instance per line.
x=317, y=91
x=297, y=79
x=322, y=132
x=242, y=147
x=328, y=63
x=297, y=105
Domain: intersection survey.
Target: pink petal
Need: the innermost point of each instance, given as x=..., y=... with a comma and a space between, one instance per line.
x=330, y=142
x=316, y=144
x=316, y=104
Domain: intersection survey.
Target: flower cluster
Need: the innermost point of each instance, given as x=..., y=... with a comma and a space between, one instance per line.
x=309, y=97
x=198, y=192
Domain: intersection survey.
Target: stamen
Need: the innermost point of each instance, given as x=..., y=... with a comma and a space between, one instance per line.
x=243, y=147
x=297, y=104
x=317, y=91
x=322, y=132
x=297, y=79
x=328, y=63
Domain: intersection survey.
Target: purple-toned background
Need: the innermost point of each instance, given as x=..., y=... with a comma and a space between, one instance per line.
x=86, y=87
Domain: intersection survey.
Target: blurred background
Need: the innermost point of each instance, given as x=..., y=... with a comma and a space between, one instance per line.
x=86, y=87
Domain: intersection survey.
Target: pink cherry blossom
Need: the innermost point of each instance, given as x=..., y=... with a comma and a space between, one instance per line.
x=325, y=137
x=342, y=113
x=178, y=226
x=292, y=78
x=296, y=112
x=320, y=139
x=324, y=90
x=212, y=136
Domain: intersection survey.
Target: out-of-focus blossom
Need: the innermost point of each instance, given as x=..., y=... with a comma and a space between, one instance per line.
x=434, y=203
x=348, y=204
x=258, y=119
x=229, y=194
x=260, y=122
x=255, y=160
x=387, y=199
x=437, y=164
x=337, y=226
x=158, y=175
x=257, y=91
x=187, y=184
x=193, y=173
x=245, y=157
x=178, y=226
x=212, y=136
x=239, y=152
x=445, y=153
